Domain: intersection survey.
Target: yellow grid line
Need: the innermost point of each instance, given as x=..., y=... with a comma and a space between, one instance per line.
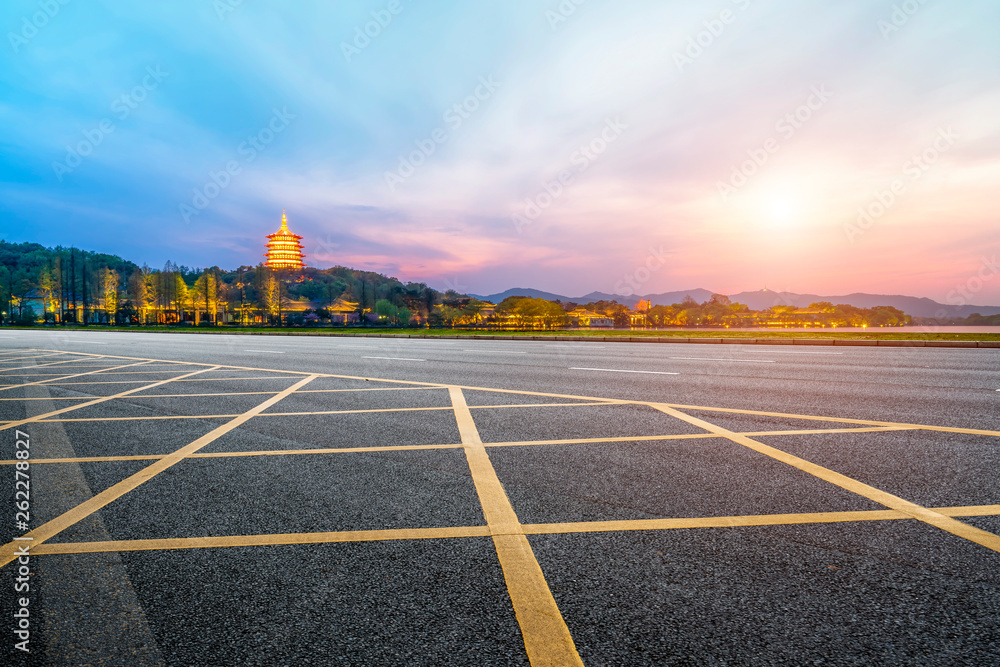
x=752, y=520
x=936, y=519
x=547, y=639
x=88, y=507
x=75, y=375
x=393, y=448
x=316, y=412
x=4, y=373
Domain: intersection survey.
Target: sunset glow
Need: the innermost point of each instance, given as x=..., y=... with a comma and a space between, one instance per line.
x=806, y=146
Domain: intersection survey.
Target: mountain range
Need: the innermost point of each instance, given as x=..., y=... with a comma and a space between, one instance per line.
x=762, y=299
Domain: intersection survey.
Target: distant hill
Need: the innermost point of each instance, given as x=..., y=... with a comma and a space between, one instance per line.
x=763, y=299
x=911, y=305
x=520, y=291
x=664, y=299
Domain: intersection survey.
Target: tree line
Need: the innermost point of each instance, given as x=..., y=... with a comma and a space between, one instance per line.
x=74, y=286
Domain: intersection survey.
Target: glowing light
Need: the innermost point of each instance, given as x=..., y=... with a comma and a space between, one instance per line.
x=783, y=212
x=283, y=248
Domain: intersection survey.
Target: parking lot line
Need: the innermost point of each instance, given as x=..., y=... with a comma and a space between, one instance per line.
x=66, y=377
x=936, y=519
x=88, y=507
x=547, y=639
x=546, y=635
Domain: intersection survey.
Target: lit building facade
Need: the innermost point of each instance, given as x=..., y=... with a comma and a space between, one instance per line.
x=283, y=248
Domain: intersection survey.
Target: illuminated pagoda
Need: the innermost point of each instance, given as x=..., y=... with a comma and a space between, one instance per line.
x=283, y=248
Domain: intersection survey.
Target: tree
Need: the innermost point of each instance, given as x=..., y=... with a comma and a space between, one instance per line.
x=110, y=293
x=48, y=286
x=719, y=299
x=206, y=289
x=385, y=309
x=270, y=295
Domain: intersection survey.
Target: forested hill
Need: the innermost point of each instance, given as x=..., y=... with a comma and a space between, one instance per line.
x=75, y=273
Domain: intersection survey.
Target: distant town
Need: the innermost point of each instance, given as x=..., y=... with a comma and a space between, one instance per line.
x=68, y=286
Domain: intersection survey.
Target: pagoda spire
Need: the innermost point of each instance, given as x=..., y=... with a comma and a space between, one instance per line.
x=283, y=248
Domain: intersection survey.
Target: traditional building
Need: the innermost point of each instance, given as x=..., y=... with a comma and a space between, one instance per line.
x=283, y=248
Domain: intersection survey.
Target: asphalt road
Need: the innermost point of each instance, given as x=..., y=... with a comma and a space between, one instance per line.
x=659, y=534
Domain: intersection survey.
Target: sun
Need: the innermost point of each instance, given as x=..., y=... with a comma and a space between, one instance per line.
x=783, y=212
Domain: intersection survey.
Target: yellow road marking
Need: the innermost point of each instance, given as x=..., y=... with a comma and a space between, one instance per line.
x=547, y=640
x=301, y=414
x=88, y=507
x=266, y=452
x=102, y=399
x=969, y=510
x=843, y=420
x=394, y=448
x=19, y=375
x=67, y=384
x=66, y=377
x=936, y=519
x=566, y=396
x=36, y=356
x=261, y=540
x=748, y=520
x=226, y=393
x=219, y=541
x=52, y=398
x=5, y=374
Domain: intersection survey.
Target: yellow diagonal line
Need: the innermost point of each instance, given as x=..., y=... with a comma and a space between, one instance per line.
x=936, y=519
x=86, y=508
x=261, y=540
x=95, y=401
x=3, y=371
x=66, y=377
x=36, y=356
x=547, y=640
x=843, y=420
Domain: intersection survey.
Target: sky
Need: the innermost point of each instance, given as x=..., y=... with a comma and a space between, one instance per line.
x=622, y=146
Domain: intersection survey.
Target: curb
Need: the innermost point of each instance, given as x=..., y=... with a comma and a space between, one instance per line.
x=991, y=344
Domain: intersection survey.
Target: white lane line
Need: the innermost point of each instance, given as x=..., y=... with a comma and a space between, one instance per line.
x=745, y=361
x=91, y=342
x=618, y=370
x=267, y=351
x=494, y=352
x=394, y=358
x=789, y=352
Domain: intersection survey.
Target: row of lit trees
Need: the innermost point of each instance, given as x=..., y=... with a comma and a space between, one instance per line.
x=70, y=290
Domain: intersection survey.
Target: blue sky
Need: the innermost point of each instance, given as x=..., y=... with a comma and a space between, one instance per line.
x=613, y=146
